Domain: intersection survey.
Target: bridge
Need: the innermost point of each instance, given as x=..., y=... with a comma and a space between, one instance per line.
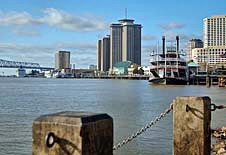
x=25, y=65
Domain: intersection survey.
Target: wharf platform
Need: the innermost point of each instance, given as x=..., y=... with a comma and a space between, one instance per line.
x=125, y=77
x=207, y=80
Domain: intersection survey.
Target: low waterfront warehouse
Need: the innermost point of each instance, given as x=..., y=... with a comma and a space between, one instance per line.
x=121, y=68
x=21, y=72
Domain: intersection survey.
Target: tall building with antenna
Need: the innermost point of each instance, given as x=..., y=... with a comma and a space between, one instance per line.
x=125, y=41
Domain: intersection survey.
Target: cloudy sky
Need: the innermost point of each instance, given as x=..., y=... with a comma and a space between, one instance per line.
x=33, y=30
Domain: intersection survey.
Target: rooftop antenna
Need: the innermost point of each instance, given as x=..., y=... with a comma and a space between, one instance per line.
x=125, y=13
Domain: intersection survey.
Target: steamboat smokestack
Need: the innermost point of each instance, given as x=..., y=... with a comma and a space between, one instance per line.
x=177, y=39
x=163, y=45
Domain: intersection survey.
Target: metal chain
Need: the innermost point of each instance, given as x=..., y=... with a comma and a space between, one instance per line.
x=143, y=129
x=214, y=107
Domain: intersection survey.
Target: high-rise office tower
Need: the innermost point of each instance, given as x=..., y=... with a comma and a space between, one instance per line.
x=125, y=42
x=103, y=54
x=62, y=60
x=193, y=43
x=99, y=55
x=213, y=52
x=215, y=31
x=115, y=44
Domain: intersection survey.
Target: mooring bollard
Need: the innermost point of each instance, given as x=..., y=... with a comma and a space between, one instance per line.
x=73, y=133
x=191, y=126
x=221, y=81
x=208, y=81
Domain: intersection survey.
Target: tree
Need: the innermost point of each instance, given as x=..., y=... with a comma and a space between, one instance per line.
x=135, y=71
x=141, y=71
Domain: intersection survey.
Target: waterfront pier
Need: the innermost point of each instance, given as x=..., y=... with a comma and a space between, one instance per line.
x=70, y=133
x=122, y=77
x=208, y=80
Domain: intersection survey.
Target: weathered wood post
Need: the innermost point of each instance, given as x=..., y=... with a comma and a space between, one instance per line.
x=208, y=81
x=73, y=133
x=191, y=126
x=221, y=81
x=197, y=80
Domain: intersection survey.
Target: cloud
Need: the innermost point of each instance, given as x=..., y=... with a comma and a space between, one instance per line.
x=68, y=22
x=172, y=25
x=82, y=54
x=148, y=37
x=25, y=32
x=76, y=45
x=17, y=19
x=54, y=18
x=148, y=49
x=184, y=39
x=171, y=36
x=145, y=54
x=170, y=41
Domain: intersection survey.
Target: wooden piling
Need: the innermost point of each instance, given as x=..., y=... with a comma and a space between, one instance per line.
x=221, y=81
x=191, y=126
x=73, y=133
x=208, y=81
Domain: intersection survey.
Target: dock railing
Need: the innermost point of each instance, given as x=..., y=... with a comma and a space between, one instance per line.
x=82, y=133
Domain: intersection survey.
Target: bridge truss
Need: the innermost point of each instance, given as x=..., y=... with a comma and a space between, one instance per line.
x=25, y=65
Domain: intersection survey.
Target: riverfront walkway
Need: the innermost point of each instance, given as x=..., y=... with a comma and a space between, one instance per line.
x=68, y=133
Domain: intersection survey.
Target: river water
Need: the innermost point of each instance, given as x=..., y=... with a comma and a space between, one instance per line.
x=132, y=104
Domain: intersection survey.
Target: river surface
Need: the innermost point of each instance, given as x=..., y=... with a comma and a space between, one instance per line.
x=132, y=104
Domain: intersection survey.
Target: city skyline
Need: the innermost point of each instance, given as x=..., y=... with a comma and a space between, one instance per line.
x=33, y=31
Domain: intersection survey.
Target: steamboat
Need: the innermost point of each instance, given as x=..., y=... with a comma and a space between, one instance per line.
x=169, y=67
